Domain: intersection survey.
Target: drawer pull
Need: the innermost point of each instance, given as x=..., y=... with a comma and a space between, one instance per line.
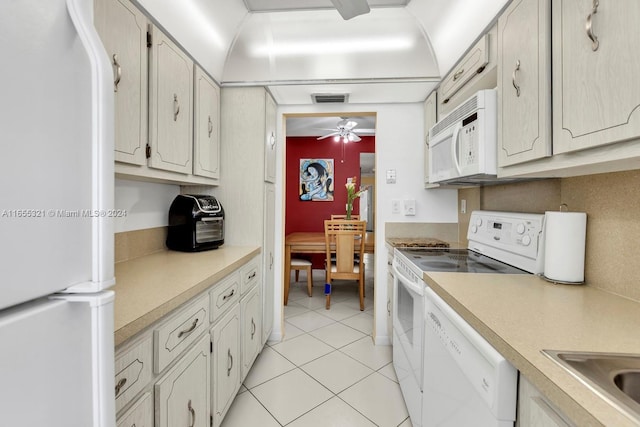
x=119, y=386
x=252, y=276
x=232, y=293
x=457, y=75
x=588, y=26
x=253, y=328
x=191, y=328
x=230, y=359
x=193, y=414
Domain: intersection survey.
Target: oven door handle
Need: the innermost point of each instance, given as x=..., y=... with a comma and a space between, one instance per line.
x=416, y=288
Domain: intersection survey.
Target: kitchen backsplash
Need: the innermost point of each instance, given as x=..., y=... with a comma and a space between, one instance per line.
x=612, y=203
x=137, y=243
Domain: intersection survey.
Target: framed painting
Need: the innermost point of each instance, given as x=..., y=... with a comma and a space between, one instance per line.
x=316, y=180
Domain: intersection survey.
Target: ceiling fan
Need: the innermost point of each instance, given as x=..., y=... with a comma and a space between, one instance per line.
x=344, y=131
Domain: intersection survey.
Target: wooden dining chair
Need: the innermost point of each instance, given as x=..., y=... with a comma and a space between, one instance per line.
x=345, y=240
x=353, y=217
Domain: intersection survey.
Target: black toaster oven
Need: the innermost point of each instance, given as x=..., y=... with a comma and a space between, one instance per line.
x=196, y=223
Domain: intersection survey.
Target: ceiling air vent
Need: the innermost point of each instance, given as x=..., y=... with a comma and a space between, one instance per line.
x=327, y=98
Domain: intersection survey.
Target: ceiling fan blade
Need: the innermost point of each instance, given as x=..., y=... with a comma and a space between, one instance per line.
x=353, y=137
x=350, y=125
x=328, y=135
x=351, y=8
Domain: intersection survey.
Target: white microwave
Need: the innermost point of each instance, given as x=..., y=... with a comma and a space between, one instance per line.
x=462, y=146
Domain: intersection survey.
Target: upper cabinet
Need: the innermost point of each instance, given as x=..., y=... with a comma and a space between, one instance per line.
x=167, y=109
x=475, y=71
x=123, y=30
x=595, y=94
x=524, y=82
x=595, y=75
x=170, y=105
x=270, y=140
x=206, y=125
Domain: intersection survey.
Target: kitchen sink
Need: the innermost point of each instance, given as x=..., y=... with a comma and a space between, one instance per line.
x=613, y=376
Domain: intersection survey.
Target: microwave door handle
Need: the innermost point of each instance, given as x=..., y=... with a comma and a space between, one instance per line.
x=210, y=219
x=455, y=142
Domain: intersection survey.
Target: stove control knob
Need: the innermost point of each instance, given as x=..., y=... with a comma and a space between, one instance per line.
x=474, y=229
x=526, y=240
x=479, y=222
x=520, y=228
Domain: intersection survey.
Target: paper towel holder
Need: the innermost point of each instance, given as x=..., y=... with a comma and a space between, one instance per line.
x=563, y=208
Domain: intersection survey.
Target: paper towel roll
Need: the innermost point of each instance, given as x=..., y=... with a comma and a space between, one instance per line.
x=565, y=235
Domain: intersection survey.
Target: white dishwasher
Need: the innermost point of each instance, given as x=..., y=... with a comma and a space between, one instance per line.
x=467, y=383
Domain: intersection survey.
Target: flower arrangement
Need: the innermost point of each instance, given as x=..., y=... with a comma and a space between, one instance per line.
x=352, y=194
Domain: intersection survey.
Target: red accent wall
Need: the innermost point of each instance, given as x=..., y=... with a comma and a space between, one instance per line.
x=310, y=215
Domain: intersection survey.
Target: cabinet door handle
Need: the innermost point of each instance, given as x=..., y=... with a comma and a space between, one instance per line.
x=190, y=329
x=193, y=414
x=513, y=78
x=210, y=127
x=457, y=75
x=176, y=107
x=230, y=359
x=118, y=72
x=253, y=328
x=588, y=26
x=119, y=386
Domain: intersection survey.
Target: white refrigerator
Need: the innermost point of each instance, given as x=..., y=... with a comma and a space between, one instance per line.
x=56, y=217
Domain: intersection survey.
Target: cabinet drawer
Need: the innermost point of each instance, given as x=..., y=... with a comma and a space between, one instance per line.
x=140, y=414
x=224, y=295
x=179, y=331
x=471, y=64
x=250, y=275
x=133, y=371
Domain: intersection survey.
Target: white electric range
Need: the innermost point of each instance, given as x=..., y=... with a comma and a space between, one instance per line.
x=499, y=243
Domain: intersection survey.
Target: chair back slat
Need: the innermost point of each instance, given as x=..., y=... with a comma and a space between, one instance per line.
x=345, y=239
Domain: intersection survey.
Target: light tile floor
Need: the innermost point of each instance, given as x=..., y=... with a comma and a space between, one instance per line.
x=326, y=372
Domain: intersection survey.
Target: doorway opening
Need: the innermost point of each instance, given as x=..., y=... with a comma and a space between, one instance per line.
x=323, y=138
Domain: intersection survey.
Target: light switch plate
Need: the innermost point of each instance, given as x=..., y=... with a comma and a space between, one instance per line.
x=391, y=177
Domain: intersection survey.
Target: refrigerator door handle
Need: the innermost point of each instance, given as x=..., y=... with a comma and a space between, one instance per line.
x=102, y=143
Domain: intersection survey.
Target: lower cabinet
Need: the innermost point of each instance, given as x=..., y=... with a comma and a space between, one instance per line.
x=182, y=394
x=199, y=378
x=251, y=329
x=140, y=414
x=225, y=339
x=535, y=411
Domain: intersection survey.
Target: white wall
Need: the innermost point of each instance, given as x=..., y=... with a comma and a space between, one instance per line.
x=399, y=146
x=147, y=204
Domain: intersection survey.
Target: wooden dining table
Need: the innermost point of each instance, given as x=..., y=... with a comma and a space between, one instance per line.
x=304, y=242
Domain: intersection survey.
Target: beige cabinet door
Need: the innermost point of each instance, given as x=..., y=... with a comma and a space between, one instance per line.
x=170, y=105
x=206, y=124
x=524, y=82
x=123, y=30
x=182, y=395
x=140, y=414
x=251, y=329
x=270, y=140
x=596, y=93
x=225, y=336
x=430, y=119
x=268, y=292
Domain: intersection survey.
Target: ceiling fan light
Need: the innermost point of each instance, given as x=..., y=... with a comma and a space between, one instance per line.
x=351, y=138
x=336, y=138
